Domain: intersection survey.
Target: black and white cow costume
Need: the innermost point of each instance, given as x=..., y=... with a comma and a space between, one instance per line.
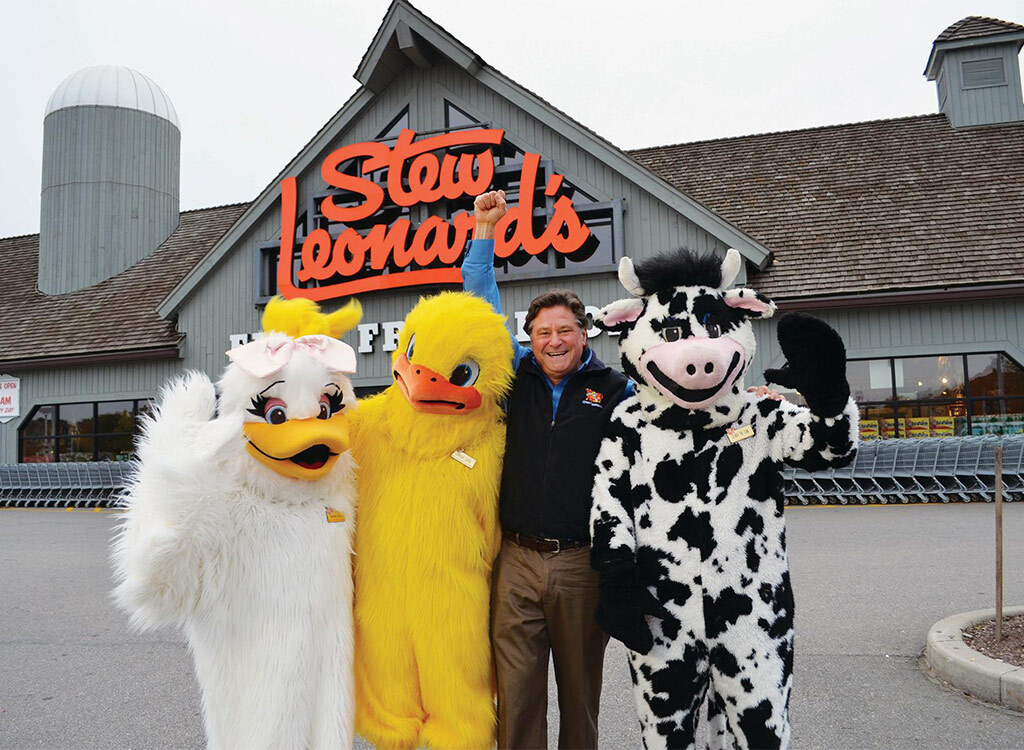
x=687, y=521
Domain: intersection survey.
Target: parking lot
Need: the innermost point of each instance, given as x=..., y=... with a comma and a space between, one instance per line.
x=869, y=582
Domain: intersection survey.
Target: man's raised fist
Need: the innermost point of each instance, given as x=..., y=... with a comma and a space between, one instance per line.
x=489, y=207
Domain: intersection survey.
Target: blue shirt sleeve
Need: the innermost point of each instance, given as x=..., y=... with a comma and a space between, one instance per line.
x=478, y=278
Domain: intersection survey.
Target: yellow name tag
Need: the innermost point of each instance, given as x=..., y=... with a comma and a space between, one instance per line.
x=464, y=458
x=334, y=516
x=739, y=433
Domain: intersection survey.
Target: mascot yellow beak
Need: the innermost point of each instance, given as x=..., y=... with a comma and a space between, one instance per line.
x=430, y=392
x=298, y=448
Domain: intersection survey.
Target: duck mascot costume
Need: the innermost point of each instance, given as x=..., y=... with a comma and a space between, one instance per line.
x=429, y=451
x=239, y=528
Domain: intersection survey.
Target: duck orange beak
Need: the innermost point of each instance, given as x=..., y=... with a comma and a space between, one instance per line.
x=430, y=392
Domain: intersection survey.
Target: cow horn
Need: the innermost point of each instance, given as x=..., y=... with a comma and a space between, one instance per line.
x=730, y=268
x=628, y=278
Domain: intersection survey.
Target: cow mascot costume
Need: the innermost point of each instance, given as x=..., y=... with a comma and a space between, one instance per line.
x=687, y=523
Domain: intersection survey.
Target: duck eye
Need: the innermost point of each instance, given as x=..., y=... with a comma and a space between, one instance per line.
x=465, y=374
x=325, y=408
x=672, y=334
x=275, y=413
x=412, y=345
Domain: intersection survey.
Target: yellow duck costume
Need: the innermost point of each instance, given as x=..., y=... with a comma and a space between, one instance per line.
x=429, y=450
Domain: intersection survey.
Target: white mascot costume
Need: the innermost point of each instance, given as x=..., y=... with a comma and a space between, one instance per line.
x=239, y=529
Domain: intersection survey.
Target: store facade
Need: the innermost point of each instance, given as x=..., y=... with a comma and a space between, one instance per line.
x=378, y=205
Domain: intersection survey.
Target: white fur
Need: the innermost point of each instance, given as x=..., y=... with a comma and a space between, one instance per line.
x=246, y=562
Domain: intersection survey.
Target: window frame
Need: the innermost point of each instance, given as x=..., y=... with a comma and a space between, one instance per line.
x=95, y=435
x=894, y=403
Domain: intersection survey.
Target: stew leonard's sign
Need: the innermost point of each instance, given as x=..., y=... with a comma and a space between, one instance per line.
x=415, y=176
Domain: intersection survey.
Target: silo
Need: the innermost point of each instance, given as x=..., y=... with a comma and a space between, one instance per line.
x=111, y=166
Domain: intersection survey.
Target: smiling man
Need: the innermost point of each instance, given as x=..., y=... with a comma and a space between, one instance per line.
x=544, y=592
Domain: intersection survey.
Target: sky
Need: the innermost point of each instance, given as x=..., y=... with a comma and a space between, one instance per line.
x=253, y=82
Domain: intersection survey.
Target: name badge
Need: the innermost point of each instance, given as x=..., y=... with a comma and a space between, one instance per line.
x=464, y=458
x=334, y=516
x=739, y=433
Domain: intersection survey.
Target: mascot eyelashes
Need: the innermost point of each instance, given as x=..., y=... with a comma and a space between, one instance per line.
x=687, y=522
x=239, y=528
x=429, y=451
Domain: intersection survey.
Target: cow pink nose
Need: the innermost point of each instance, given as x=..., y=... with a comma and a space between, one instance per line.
x=694, y=371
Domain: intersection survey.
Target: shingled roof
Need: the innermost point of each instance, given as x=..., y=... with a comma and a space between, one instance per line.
x=889, y=205
x=976, y=26
x=117, y=315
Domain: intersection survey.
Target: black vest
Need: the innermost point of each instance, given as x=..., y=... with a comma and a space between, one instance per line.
x=548, y=474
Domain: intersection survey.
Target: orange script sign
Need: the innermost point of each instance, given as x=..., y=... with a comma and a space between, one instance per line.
x=400, y=245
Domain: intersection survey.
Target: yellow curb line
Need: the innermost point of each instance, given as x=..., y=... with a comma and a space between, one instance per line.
x=65, y=510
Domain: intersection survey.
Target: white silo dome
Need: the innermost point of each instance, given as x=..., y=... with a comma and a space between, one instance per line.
x=112, y=86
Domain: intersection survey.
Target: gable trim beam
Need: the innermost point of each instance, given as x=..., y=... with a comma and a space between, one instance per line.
x=375, y=74
x=414, y=47
x=78, y=360
x=913, y=297
x=270, y=195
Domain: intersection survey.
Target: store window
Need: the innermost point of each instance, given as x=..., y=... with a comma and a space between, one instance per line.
x=945, y=395
x=96, y=431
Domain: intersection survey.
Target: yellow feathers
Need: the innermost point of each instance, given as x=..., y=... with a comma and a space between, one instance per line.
x=302, y=317
x=427, y=535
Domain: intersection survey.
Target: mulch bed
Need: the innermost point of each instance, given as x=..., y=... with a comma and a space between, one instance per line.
x=982, y=637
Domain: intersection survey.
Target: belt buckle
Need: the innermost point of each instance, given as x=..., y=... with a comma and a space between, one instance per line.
x=558, y=545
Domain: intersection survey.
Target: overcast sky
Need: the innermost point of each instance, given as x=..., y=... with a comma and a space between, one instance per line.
x=253, y=82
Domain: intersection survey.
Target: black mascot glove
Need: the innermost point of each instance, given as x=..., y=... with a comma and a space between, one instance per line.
x=624, y=603
x=815, y=363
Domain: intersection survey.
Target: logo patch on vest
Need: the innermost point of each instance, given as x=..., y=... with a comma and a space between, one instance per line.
x=593, y=398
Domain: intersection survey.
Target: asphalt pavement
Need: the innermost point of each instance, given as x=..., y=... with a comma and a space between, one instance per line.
x=869, y=582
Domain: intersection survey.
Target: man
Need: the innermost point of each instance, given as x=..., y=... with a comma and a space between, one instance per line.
x=544, y=592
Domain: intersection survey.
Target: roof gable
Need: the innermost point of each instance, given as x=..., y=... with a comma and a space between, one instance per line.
x=407, y=37
x=973, y=31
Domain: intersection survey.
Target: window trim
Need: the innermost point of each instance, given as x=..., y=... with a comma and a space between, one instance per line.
x=95, y=435
x=894, y=403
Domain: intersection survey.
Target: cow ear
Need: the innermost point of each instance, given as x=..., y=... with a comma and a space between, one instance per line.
x=619, y=315
x=753, y=304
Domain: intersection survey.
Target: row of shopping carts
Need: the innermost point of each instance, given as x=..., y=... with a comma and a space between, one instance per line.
x=915, y=471
x=64, y=485
x=884, y=471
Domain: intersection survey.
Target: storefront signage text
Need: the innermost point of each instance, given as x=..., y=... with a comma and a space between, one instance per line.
x=435, y=241
x=386, y=333
x=10, y=398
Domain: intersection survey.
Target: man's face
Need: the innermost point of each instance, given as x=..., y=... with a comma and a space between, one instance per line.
x=557, y=342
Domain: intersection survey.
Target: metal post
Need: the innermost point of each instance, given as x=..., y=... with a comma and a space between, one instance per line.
x=999, y=542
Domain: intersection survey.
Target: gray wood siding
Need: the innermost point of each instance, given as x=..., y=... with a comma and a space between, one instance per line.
x=112, y=382
x=908, y=331
x=109, y=193
x=982, y=105
x=224, y=303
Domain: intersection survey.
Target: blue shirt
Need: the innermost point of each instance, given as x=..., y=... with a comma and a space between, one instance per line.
x=478, y=278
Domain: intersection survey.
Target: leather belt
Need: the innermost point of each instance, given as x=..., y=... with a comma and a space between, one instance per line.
x=543, y=544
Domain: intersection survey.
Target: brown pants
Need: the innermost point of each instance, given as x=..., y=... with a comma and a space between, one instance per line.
x=541, y=603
